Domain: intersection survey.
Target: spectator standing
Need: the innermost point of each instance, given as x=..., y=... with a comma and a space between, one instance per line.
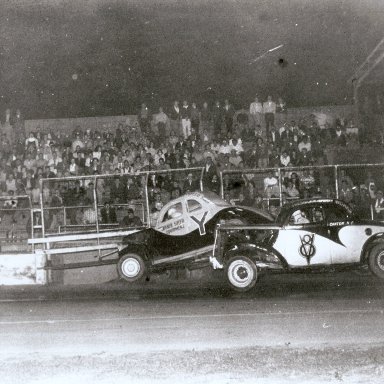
x=6, y=128
x=18, y=126
x=108, y=214
x=229, y=112
x=206, y=121
x=209, y=172
x=379, y=206
x=281, y=112
x=256, y=113
x=269, y=110
x=162, y=123
x=185, y=114
x=217, y=117
x=144, y=117
x=195, y=119
x=174, y=118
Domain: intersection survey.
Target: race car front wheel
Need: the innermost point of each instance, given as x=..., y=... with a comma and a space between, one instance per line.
x=131, y=267
x=241, y=273
x=376, y=260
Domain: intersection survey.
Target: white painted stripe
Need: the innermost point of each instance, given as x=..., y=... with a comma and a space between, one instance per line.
x=206, y=316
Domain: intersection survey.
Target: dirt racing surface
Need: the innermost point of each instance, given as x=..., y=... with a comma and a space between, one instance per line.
x=346, y=364
x=317, y=329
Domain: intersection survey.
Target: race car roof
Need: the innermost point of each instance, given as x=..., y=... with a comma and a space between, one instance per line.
x=209, y=197
x=297, y=204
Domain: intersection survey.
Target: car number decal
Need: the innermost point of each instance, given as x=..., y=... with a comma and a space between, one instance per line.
x=307, y=249
x=200, y=223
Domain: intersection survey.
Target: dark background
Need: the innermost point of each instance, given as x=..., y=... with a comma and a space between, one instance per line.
x=93, y=58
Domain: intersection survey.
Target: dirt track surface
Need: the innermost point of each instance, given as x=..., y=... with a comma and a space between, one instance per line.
x=316, y=329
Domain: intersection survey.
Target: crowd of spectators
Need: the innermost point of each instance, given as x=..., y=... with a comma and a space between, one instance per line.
x=215, y=138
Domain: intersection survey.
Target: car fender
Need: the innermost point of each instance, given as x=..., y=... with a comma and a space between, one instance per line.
x=265, y=256
x=369, y=244
x=140, y=249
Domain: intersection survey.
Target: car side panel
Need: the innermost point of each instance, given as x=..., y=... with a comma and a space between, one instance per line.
x=352, y=240
x=302, y=247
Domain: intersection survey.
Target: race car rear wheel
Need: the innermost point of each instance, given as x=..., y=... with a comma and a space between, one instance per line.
x=131, y=267
x=241, y=273
x=376, y=260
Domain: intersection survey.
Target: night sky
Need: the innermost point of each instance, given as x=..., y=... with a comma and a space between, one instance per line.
x=94, y=57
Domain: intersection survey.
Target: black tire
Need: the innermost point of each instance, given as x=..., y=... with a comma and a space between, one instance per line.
x=131, y=267
x=241, y=273
x=376, y=260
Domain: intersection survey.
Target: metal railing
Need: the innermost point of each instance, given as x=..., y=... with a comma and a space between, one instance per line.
x=325, y=181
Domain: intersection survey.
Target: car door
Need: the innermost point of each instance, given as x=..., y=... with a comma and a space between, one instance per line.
x=346, y=239
x=304, y=243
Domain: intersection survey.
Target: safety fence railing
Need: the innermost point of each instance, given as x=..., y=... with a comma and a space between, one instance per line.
x=356, y=184
x=79, y=203
x=99, y=203
x=58, y=219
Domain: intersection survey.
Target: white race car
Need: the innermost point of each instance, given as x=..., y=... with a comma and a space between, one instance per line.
x=318, y=234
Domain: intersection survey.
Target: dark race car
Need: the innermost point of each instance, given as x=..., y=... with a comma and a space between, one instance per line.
x=183, y=236
x=319, y=234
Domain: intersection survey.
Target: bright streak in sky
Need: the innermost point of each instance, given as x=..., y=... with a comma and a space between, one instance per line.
x=274, y=49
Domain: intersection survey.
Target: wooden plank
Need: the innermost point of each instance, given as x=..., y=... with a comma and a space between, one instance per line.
x=58, y=251
x=88, y=236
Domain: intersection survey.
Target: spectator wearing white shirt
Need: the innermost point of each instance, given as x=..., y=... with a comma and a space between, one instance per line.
x=291, y=191
x=77, y=142
x=236, y=144
x=256, y=113
x=31, y=141
x=305, y=143
x=162, y=123
x=269, y=110
x=285, y=159
x=225, y=149
x=271, y=185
